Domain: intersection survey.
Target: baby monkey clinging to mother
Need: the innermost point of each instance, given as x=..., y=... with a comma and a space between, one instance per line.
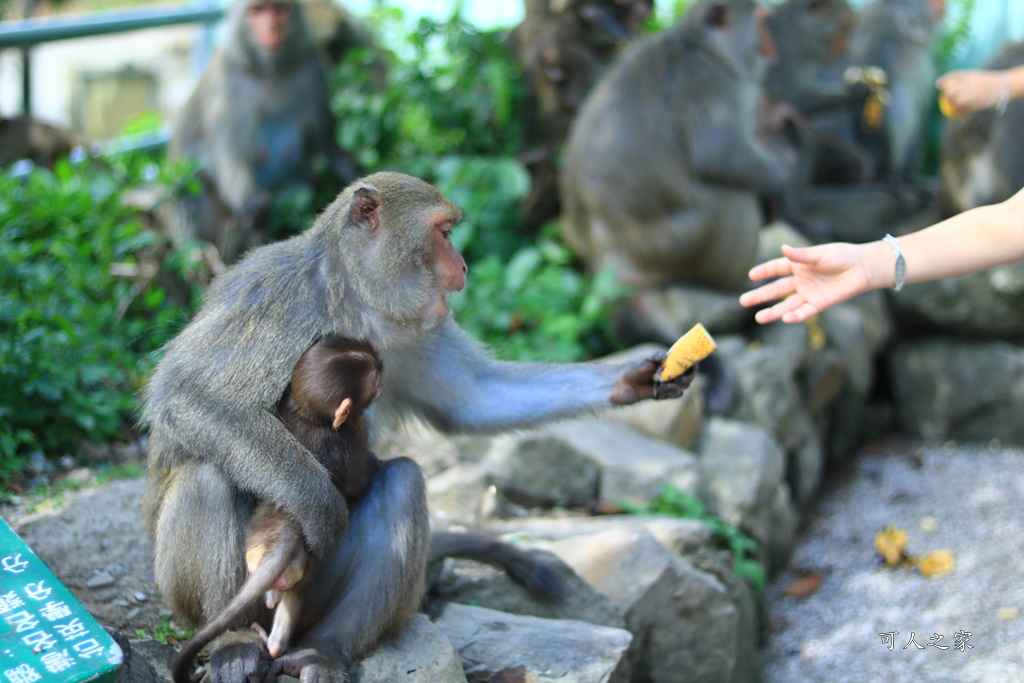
x=333, y=384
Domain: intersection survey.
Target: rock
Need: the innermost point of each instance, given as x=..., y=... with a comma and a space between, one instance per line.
x=985, y=304
x=145, y=661
x=684, y=620
x=576, y=461
x=667, y=313
x=497, y=646
x=540, y=468
x=677, y=422
x=455, y=493
x=960, y=389
x=100, y=580
x=768, y=394
x=420, y=653
x=741, y=467
x=478, y=584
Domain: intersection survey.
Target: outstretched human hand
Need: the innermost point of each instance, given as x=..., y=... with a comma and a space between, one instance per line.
x=811, y=279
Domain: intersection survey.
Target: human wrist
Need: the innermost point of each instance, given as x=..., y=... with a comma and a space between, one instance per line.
x=1003, y=99
x=880, y=265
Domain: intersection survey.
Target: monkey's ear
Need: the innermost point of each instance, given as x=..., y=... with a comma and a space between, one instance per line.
x=365, y=208
x=341, y=414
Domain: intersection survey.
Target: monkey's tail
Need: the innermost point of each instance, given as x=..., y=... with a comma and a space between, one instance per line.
x=248, y=596
x=540, y=579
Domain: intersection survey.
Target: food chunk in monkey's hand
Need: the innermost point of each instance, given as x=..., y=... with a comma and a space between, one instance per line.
x=947, y=107
x=690, y=349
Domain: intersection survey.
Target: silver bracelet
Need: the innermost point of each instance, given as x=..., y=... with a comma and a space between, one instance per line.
x=1004, y=96
x=901, y=263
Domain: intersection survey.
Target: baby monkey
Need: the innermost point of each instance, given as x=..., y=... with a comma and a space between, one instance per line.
x=332, y=385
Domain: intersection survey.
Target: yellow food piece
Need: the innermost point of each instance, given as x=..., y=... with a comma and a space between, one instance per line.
x=690, y=349
x=891, y=545
x=947, y=108
x=936, y=563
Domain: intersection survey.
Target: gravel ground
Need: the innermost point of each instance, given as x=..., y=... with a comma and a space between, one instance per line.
x=965, y=498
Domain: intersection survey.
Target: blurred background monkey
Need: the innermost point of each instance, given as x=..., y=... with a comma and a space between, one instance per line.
x=253, y=125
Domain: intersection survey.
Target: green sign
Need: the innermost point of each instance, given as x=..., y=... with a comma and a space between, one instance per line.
x=45, y=633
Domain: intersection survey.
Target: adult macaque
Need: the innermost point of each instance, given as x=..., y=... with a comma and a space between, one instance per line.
x=812, y=38
x=810, y=34
x=980, y=155
x=254, y=123
x=332, y=385
x=563, y=54
x=663, y=167
x=376, y=265
x=899, y=37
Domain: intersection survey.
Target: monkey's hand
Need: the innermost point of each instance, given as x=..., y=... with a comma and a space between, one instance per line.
x=308, y=665
x=637, y=383
x=239, y=656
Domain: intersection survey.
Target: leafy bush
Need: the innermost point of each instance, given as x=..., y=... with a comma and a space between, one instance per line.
x=536, y=307
x=743, y=548
x=451, y=111
x=74, y=336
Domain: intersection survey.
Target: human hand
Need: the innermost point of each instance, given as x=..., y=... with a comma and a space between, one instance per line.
x=811, y=280
x=968, y=90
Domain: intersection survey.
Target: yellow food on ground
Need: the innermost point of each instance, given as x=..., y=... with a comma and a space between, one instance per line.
x=936, y=563
x=891, y=544
x=690, y=349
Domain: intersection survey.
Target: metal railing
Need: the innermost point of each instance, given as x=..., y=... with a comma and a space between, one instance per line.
x=27, y=33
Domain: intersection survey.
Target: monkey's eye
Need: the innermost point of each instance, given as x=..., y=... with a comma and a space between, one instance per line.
x=446, y=234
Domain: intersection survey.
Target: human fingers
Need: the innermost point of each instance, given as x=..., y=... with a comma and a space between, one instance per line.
x=779, y=310
x=773, y=291
x=776, y=267
x=801, y=313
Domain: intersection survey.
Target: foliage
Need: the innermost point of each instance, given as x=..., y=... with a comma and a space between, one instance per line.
x=956, y=33
x=165, y=630
x=88, y=292
x=76, y=323
x=536, y=308
x=743, y=548
x=449, y=111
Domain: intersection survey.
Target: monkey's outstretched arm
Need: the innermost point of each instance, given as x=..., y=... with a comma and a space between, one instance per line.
x=455, y=385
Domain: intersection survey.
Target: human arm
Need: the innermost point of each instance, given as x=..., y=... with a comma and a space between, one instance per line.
x=813, y=279
x=969, y=90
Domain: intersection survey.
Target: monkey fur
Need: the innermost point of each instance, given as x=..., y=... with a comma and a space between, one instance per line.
x=898, y=36
x=377, y=265
x=332, y=385
x=254, y=122
x=663, y=167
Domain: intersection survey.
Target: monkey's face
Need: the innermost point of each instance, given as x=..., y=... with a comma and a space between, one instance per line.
x=449, y=268
x=268, y=23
